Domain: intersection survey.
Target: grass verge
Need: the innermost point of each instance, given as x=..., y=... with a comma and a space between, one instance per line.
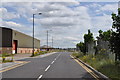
x=101, y=63
x=5, y=61
x=39, y=53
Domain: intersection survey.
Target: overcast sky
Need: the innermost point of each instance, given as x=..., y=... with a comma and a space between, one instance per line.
x=69, y=21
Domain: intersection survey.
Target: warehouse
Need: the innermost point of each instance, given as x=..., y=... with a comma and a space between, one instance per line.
x=12, y=41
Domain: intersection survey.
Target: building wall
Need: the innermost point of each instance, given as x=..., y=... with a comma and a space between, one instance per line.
x=26, y=50
x=6, y=37
x=25, y=41
x=7, y=50
x=5, y=40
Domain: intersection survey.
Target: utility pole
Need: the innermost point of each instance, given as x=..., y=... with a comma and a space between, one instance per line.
x=52, y=41
x=47, y=38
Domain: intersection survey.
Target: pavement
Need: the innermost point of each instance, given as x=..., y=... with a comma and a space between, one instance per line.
x=57, y=66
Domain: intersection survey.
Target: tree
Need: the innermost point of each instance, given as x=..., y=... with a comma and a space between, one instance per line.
x=87, y=39
x=115, y=38
x=100, y=34
x=81, y=47
x=105, y=36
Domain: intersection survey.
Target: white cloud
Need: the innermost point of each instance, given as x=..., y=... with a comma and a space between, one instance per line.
x=102, y=22
x=13, y=24
x=8, y=15
x=110, y=7
x=60, y=0
x=71, y=38
x=68, y=23
x=94, y=5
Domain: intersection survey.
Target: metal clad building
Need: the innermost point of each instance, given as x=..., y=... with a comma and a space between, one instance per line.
x=16, y=42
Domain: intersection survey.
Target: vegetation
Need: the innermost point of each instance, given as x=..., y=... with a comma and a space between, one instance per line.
x=101, y=63
x=37, y=53
x=105, y=36
x=5, y=61
x=81, y=47
x=88, y=37
x=115, y=38
x=4, y=55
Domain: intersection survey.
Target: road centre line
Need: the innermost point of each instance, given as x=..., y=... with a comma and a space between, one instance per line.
x=40, y=77
x=55, y=59
x=57, y=56
x=87, y=69
x=52, y=62
x=47, y=68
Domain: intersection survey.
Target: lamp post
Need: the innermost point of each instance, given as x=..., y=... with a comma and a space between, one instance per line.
x=33, y=32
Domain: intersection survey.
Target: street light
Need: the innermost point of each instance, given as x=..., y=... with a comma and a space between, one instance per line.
x=33, y=32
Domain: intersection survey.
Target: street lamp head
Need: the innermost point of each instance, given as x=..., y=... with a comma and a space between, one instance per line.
x=39, y=13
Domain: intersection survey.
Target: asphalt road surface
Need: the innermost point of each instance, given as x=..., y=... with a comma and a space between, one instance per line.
x=58, y=66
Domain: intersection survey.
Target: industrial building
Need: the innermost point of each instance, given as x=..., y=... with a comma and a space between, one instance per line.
x=12, y=41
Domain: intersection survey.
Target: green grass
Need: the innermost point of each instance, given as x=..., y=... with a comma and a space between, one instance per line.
x=5, y=61
x=5, y=55
x=39, y=53
x=101, y=63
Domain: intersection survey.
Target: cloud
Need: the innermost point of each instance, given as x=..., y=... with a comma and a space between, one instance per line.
x=17, y=26
x=94, y=5
x=12, y=24
x=8, y=15
x=102, y=22
x=69, y=21
x=110, y=7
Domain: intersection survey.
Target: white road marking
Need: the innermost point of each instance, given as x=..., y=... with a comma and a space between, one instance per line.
x=55, y=59
x=57, y=56
x=52, y=62
x=47, y=68
x=40, y=77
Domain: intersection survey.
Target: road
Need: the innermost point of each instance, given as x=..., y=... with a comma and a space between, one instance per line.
x=58, y=66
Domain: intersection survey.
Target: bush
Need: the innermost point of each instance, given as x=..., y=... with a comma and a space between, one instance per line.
x=117, y=63
x=35, y=53
x=77, y=55
x=3, y=58
x=43, y=52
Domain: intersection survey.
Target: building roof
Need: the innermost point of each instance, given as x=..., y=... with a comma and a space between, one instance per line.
x=17, y=31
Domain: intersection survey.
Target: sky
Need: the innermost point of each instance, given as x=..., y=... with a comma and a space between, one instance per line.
x=67, y=22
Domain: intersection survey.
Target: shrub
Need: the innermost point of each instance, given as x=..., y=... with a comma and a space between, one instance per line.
x=35, y=53
x=77, y=55
x=3, y=58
